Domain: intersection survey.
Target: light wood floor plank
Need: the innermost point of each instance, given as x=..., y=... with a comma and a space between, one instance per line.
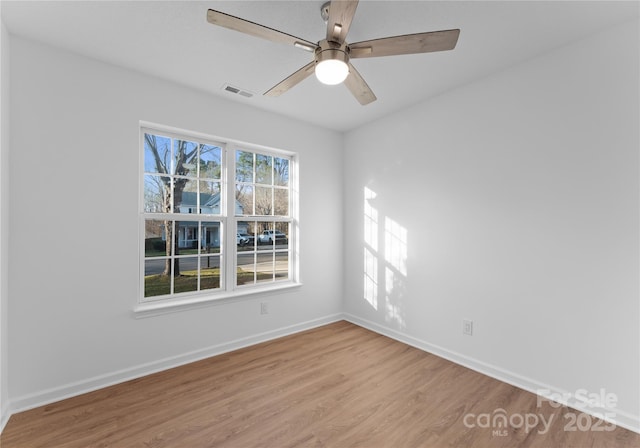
x=335, y=386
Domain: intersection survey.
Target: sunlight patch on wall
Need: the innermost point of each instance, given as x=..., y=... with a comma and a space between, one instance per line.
x=370, y=220
x=394, y=291
x=370, y=249
x=370, y=278
x=395, y=255
x=395, y=245
x=385, y=261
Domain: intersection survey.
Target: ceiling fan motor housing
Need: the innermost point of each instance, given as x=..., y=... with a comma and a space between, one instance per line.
x=331, y=50
x=331, y=62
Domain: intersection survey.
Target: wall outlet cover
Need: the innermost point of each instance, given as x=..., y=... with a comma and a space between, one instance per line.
x=467, y=327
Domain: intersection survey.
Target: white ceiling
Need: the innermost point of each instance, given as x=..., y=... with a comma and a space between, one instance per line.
x=172, y=40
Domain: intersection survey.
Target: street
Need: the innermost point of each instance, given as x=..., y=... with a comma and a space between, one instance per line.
x=245, y=262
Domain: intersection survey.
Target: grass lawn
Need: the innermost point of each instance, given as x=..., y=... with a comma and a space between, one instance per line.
x=158, y=285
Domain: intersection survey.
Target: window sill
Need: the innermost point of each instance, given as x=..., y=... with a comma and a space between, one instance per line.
x=160, y=307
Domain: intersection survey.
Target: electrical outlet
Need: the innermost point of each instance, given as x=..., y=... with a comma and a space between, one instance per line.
x=264, y=308
x=467, y=327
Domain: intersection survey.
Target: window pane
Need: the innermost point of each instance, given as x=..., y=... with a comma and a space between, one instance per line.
x=210, y=261
x=264, y=201
x=246, y=269
x=244, y=200
x=156, y=284
x=210, y=161
x=281, y=171
x=156, y=193
x=265, y=236
x=281, y=202
x=282, y=265
x=185, y=155
x=156, y=266
x=187, y=237
x=264, y=267
x=210, y=237
x=157, y=154
x=185, y=196
x=246, y=238
x=209, y=272
x=264, y=169
x=185, y=277
x=209, y=197
x=155, y=244
x=281, y=235
x=244, y=166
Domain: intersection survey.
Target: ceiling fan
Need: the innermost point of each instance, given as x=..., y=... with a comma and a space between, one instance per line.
x=331, y=63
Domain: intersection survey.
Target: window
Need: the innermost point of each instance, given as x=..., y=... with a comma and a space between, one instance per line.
x=216, y=217
x=262, y=192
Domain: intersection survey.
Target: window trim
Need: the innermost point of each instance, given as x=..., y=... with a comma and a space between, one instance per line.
x=200, y=300
x=228, y=291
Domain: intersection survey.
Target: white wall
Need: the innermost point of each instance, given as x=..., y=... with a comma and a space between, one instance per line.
x=4, y=221
x=74, y=226
x=519, y=197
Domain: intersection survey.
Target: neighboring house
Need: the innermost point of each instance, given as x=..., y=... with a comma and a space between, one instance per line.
x=209, y=204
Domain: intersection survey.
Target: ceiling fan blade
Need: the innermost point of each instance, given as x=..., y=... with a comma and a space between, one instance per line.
x=341, y=14
x=292, y=80
x=407, y=44
x=358, y=87
x=257, y=30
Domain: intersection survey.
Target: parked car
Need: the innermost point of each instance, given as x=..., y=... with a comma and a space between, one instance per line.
x=243, y=239
x=268, y=236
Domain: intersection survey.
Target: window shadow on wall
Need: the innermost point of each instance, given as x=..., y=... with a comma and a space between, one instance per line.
x=384, y=261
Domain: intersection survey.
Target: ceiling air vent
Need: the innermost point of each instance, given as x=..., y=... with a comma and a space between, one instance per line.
x=231, y=89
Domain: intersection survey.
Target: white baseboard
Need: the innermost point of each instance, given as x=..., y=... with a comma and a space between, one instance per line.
x=4, y=416
x=623, y=419
x=52, y=395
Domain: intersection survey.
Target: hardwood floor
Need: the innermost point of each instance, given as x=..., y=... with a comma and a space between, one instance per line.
x=335, y=386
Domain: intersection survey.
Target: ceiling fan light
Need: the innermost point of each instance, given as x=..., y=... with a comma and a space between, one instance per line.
x=331, y=71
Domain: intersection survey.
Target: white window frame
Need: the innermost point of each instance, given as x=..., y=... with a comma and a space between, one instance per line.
x=228, y=290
